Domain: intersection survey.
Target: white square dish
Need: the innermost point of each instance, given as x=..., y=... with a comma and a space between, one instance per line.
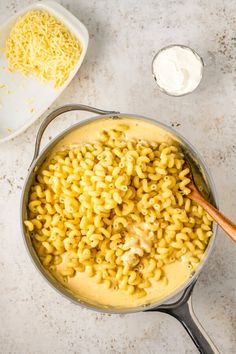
x=23, y=99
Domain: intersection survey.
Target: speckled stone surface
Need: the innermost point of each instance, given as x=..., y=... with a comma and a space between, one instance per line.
x=124, y=36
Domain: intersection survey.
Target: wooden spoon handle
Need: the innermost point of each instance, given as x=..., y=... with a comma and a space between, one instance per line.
x=226, y=224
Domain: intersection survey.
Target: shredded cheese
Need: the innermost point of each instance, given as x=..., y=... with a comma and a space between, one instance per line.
x=41, y=45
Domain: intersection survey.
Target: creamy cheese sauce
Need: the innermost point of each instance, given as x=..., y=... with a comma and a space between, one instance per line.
x=85, y=287
x=139, y=129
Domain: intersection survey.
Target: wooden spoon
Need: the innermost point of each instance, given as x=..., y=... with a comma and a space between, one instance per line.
x=227, y=225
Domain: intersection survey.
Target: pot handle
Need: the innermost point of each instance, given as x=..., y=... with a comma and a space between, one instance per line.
x=56, y=113
x=183, y=311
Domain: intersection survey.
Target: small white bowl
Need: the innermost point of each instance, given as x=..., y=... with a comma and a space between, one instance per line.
x=23, y=99
x=184, y=47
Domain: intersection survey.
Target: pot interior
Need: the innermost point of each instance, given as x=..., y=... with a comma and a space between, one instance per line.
x=201, y=176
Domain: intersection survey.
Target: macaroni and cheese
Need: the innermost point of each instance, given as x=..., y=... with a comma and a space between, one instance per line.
x=116, y=210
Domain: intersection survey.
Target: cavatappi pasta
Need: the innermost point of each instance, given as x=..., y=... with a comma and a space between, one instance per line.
x=117, y=210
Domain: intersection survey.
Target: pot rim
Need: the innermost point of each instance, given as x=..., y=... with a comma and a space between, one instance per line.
x=47, y=275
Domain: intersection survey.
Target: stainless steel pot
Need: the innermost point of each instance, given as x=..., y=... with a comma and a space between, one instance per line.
x=179, y=303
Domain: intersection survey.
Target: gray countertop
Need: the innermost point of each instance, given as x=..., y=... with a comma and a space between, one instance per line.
x=124, y=36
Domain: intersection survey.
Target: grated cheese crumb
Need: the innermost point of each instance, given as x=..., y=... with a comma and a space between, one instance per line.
x=29, y=100
x=40, y=44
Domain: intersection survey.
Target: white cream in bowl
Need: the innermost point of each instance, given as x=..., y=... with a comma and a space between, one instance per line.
x=177, y=70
